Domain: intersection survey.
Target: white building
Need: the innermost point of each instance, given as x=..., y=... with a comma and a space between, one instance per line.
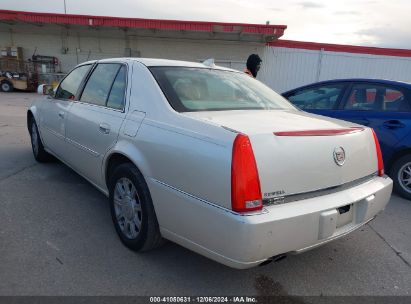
x=290, y=64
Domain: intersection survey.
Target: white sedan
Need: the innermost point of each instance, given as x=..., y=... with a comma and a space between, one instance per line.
x=209, y=158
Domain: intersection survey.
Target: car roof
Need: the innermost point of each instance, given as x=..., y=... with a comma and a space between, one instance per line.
x=334, y=81
x=151, y=62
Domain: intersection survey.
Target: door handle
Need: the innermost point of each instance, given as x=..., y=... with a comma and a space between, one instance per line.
x=61, y=114
x=104, y=128
x=393, y=124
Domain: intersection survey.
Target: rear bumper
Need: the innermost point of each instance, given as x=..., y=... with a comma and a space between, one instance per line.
x=241, y=241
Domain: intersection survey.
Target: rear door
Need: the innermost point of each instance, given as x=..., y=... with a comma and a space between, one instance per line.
x=384, y=107
x=94, y=122
x=322, y=99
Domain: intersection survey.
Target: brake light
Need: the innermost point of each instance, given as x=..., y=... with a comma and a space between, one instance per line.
x=245, y=183
x=326, y=132
x=379, y=154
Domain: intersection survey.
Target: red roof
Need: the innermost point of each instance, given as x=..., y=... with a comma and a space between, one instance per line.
x=196, y=26
x=341, y=48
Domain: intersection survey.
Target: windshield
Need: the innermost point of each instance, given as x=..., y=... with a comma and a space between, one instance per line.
x=201, y=89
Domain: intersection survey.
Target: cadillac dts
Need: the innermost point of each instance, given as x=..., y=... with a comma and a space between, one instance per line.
x=209, y=158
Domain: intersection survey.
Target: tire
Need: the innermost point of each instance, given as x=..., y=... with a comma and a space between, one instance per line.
x=6, y=86
x=401, y=175
x=36, y=144
x=132, y=209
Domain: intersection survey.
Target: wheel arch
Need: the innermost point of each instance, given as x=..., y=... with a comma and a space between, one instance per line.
x=397, y=155
x=6, y=80
x=31, y=114
x=125, y=152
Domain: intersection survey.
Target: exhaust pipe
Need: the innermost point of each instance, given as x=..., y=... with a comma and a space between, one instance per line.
x=275, y=258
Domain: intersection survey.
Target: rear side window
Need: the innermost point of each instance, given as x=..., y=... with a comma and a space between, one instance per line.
x=69, y=86
x=370, y=97
x=116, y=97
x=395, y=101
x=318, y=98
x=99, y=86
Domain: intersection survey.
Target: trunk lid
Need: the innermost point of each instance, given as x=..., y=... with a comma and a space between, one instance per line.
x=293, y=163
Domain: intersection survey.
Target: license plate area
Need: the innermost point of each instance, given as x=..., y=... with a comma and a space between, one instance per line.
x=345, y=215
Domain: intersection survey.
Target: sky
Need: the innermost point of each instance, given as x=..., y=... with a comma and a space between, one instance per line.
x=361, y=22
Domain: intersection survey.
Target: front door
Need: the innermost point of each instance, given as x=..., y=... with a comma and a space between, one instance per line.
x=55, y=109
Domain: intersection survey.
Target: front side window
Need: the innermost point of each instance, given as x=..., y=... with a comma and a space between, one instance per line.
x=69, y=86
x=201, y=89
x=369, y=97
x=318, y=98
x=100, y=83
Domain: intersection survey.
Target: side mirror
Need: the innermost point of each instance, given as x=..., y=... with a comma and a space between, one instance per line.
x=45, y=89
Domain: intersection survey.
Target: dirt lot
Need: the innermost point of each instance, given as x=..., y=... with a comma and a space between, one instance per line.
x=56, y=238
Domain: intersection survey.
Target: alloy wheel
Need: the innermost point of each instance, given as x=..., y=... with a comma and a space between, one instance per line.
x=404, y=177
x=127, y=207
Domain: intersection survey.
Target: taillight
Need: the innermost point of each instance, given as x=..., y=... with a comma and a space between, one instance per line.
x=379, y=154
x=245, y=183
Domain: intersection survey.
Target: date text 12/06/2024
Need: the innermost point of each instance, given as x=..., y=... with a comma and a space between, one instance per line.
x=199, y=299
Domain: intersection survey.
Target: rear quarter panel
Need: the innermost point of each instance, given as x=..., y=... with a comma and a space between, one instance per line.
x=183, y=153
x=187, y=161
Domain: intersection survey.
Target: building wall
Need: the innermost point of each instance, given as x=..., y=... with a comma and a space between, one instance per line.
x=283, y=68
x=72, y=46
x=287, y=68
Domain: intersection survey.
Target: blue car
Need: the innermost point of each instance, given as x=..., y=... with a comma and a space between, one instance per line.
x=382, y=105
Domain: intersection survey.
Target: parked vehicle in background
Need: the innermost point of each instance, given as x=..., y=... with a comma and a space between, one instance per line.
x=382, y=105
x=24, y=80
x=15, y=73
x=209, y=158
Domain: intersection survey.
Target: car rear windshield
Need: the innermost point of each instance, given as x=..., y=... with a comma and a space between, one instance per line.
x=203, y=89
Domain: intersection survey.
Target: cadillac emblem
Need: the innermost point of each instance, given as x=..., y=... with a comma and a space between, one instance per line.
x=339, y=156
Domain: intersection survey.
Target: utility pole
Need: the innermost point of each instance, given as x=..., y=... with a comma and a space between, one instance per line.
x=65, y=9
